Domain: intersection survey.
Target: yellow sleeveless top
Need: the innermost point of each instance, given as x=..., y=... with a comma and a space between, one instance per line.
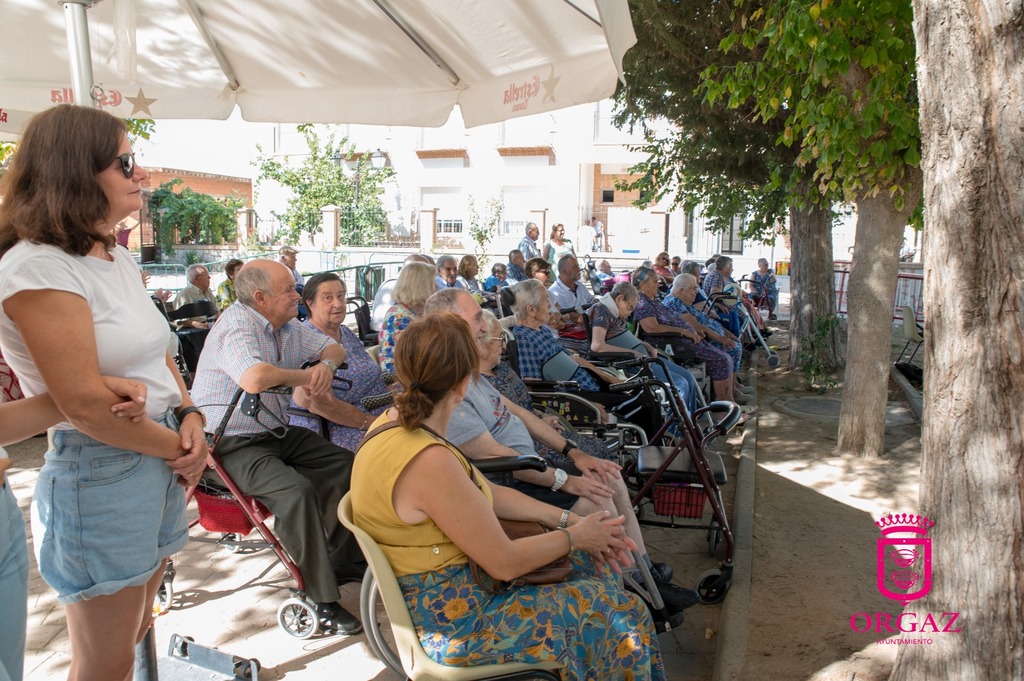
x=410, y=549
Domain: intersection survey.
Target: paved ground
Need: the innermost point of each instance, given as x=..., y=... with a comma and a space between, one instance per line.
x=230, y=600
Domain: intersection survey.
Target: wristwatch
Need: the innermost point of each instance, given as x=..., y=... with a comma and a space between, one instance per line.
x=569, y=446
x=329, y=363
x=560, y=479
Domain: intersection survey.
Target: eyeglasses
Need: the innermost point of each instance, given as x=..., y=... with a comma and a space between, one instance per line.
x=504, y=341
x=127, y=164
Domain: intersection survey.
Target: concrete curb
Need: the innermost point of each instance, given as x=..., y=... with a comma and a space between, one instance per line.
x=913, y=396
x=730, y=652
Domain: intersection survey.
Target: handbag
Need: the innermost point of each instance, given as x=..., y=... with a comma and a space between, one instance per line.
x=556, y=571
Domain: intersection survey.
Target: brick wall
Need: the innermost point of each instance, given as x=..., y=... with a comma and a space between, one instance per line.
x=217, y=186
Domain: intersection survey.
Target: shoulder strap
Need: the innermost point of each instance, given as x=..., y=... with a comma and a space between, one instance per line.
x=455, y=450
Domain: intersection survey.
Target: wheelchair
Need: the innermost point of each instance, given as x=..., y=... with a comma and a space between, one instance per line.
x=224, y=509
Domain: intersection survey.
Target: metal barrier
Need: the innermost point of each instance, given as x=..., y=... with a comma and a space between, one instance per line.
x=909, y=291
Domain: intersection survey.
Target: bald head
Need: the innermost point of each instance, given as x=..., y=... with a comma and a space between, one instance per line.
x=269, y=288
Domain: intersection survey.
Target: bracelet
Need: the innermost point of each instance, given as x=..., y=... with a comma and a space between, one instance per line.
x=563, y=522
x=182, y=413
x=572, y=547
x=366, y=423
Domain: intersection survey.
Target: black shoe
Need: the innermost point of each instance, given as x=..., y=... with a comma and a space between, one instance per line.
x=662, y=572
x=335, y=619
x=352, y=572
x=677, y=598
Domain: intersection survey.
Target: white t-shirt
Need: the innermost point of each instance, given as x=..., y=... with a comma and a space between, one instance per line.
x=131, y=334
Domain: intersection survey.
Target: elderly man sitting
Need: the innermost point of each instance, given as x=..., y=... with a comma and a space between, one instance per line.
x=299, y=476
x=198, y=289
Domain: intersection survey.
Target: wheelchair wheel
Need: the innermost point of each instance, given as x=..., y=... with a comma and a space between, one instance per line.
x=773, y=360
x=164, y=597
x=711, y=587
x=374, y=624
x=298, y=618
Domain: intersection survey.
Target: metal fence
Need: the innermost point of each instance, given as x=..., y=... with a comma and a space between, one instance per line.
x=909, y=291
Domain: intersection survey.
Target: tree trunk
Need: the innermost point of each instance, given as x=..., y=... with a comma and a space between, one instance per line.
x=811, y=284
x=970, y=66
x=873, y=272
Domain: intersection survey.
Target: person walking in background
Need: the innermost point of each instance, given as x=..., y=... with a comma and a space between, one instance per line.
x=528, y=245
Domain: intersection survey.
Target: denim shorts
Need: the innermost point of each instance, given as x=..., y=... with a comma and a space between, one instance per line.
x=103, y=518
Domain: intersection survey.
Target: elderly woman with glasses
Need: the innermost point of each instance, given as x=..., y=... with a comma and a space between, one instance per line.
x=681, y=301
x=325, y=297
x=654, y=318
x=609, y=333
x=540, y=355
x=498, y=278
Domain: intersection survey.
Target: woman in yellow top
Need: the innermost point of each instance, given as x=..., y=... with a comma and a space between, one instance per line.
x=430, y=511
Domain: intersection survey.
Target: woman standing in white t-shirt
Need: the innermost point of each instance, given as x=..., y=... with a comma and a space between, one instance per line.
x=108, y=507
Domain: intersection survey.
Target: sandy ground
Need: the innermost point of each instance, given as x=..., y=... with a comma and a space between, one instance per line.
x=814, y=533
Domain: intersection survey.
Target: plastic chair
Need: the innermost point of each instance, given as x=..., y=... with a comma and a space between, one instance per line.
x=416, y=664
x=912, y=332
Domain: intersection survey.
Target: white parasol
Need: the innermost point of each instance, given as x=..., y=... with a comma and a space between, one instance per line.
x=395, y=62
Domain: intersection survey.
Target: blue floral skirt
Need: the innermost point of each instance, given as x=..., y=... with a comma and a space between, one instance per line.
x=589, y=624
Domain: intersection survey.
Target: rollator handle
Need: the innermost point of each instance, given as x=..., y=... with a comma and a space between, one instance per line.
x=634, y=362
x=504, y=464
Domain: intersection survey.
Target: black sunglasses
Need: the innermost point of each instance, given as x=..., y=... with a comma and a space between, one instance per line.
x=127, y=164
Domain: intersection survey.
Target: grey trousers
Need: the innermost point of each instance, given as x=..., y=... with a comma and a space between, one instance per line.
x=301, y=478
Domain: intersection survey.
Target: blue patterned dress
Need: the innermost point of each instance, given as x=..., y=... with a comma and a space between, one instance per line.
x=366, y=381
x=718, y=362
x=398, y=317
x=679, y=307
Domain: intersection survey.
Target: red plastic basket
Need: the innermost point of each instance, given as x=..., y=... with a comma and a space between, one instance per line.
x=220, y=513
x=679, y=499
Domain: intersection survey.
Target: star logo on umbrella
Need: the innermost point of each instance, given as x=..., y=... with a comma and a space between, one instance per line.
x=549, y=84
x=141, y=102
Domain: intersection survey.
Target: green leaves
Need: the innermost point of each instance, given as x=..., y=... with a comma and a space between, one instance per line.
x=332, y=173
x=188, y=217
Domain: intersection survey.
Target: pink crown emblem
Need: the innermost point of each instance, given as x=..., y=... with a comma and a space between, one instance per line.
x=905, y=522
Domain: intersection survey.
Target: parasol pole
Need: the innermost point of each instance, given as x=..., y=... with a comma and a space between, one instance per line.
x=79, y=54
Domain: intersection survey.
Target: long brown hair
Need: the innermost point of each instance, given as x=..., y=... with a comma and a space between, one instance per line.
x=50, y=194
x=433, y=355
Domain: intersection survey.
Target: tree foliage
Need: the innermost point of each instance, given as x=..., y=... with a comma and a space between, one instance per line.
x=320, y=179
x=839, y=77
x=188, y=217
x=713, y=156
x=483, y=228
